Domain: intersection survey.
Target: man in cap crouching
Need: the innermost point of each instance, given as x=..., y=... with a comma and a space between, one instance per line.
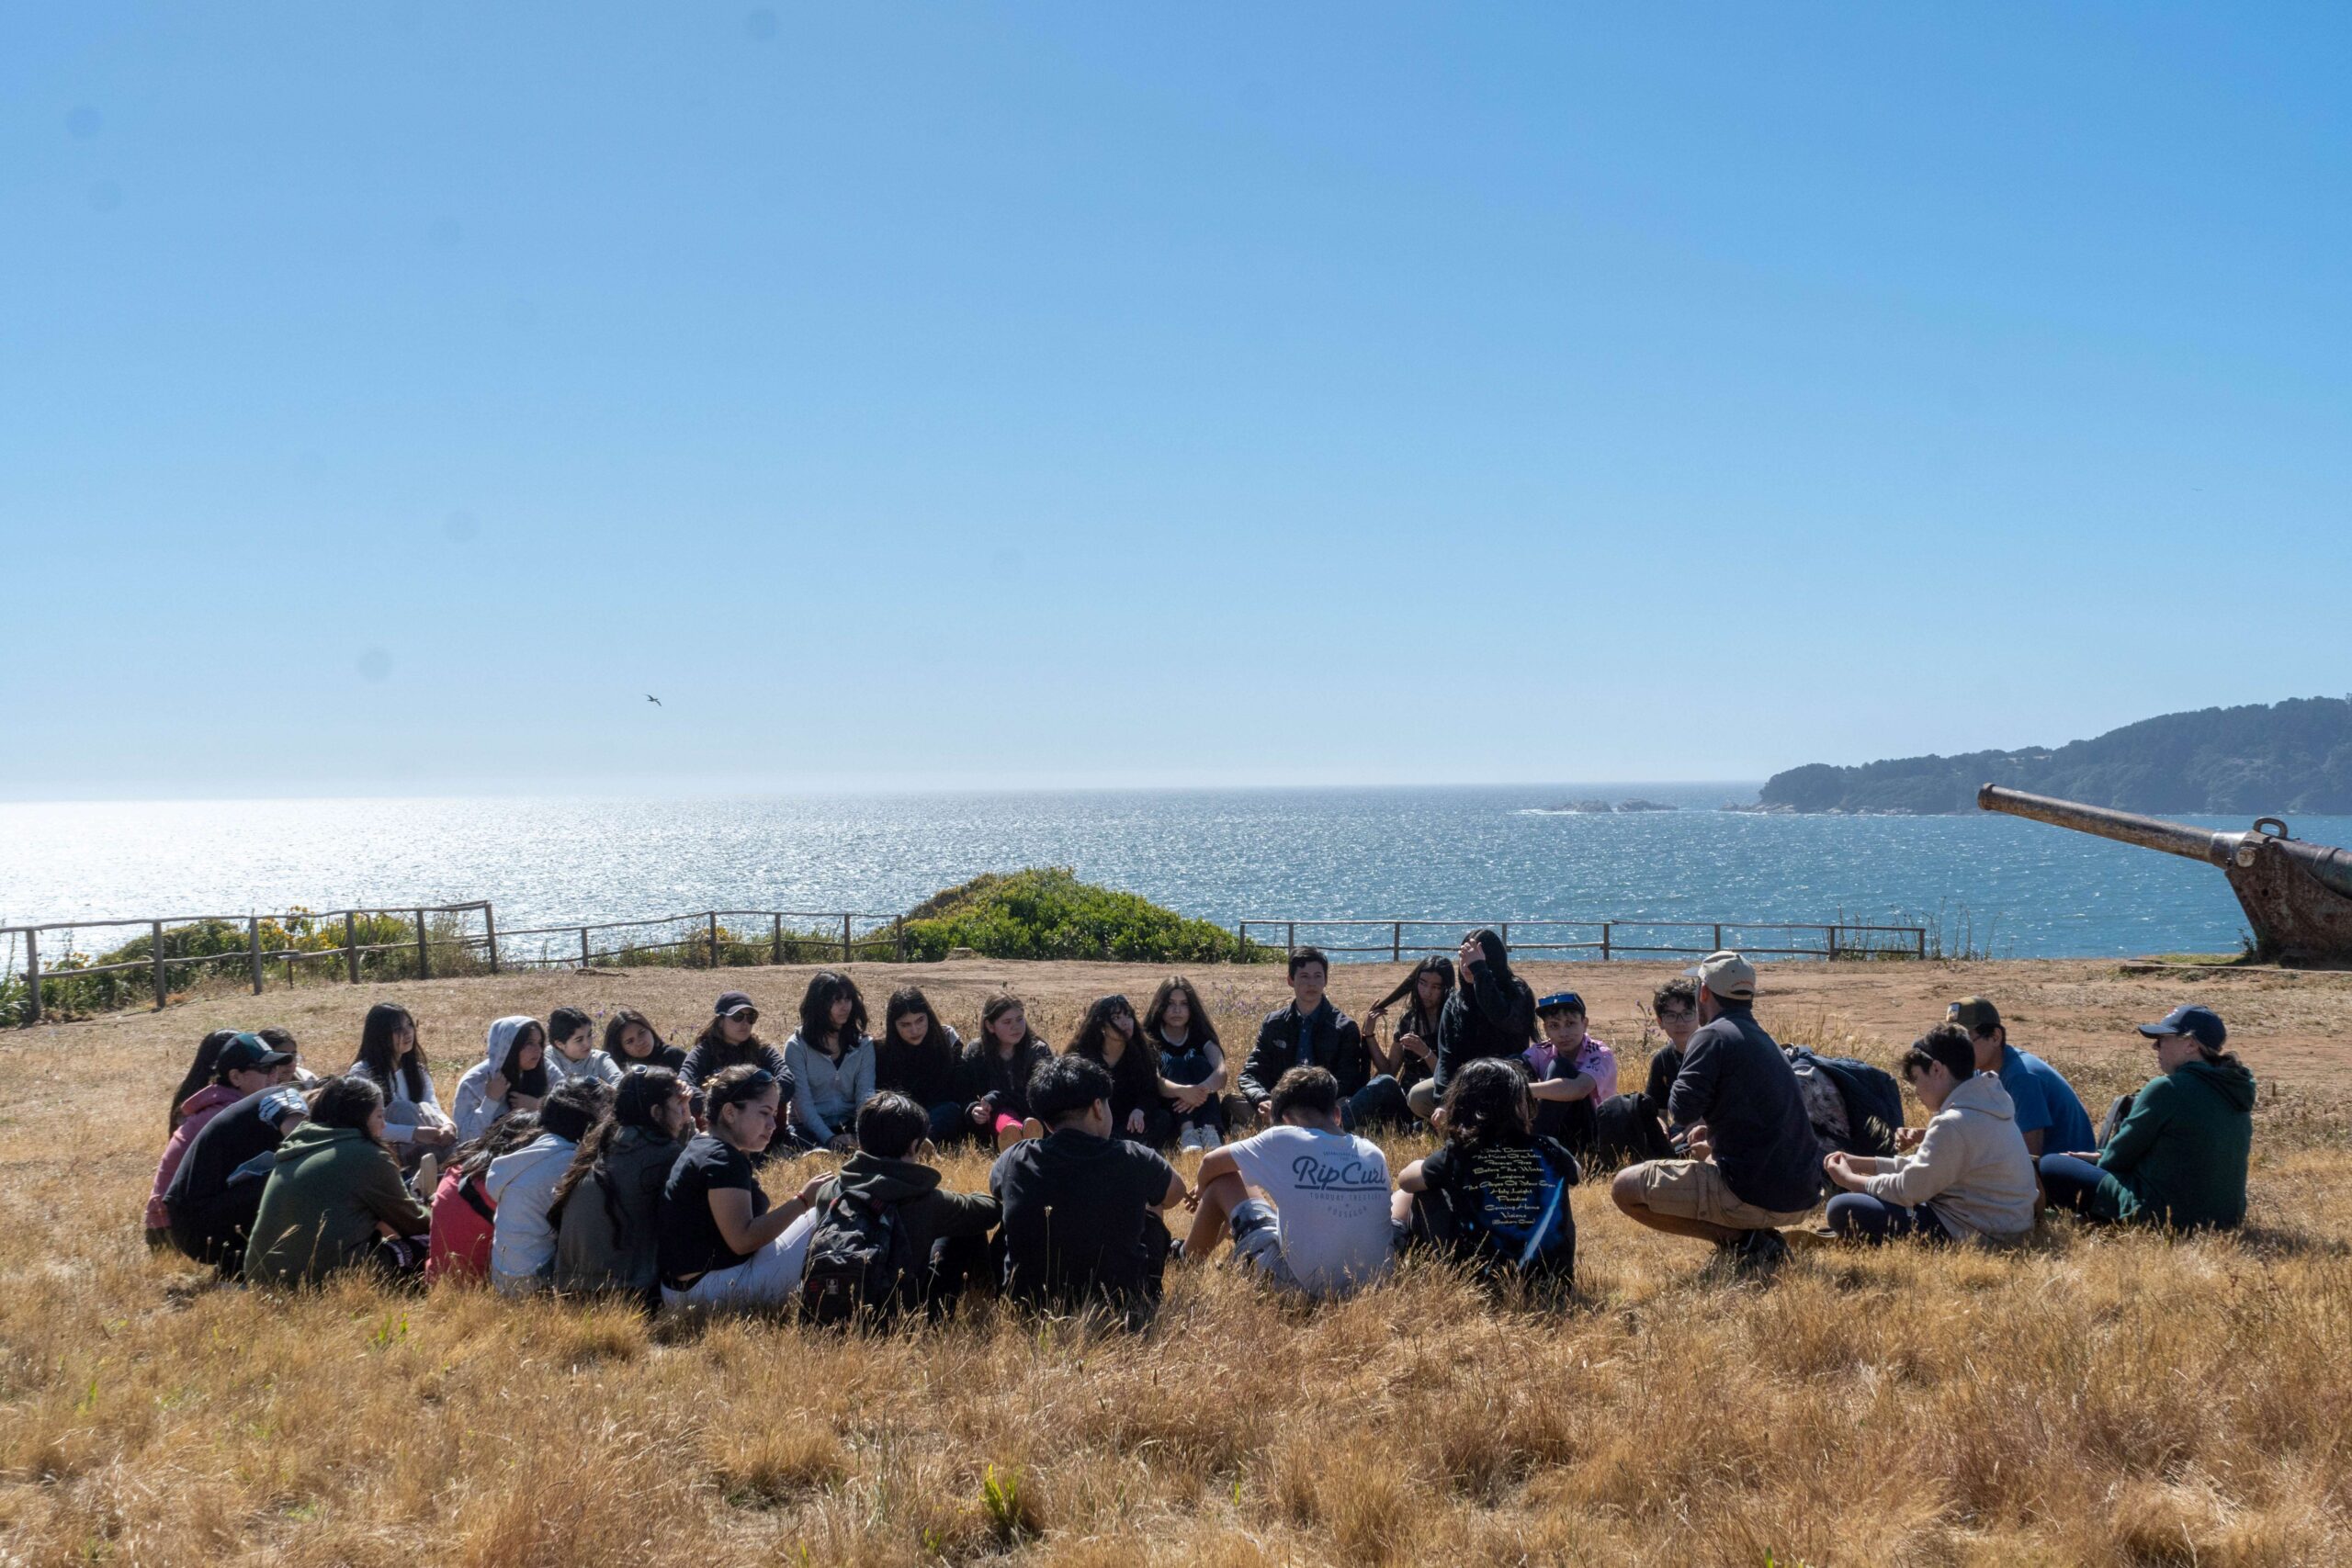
x=1754, y=1164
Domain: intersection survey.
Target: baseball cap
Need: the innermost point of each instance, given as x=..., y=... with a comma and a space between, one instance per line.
x=246, y=1054
x=1728, y=976
x=1975, y=1015
x=732, y=1002
x=2204, y=1024
x=1560, y=1001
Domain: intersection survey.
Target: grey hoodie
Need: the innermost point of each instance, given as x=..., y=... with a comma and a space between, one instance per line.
x=471, y=1110
x=1971, y=1169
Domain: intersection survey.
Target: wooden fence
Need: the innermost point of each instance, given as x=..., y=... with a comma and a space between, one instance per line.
x=1601, y=937
x=708, y=941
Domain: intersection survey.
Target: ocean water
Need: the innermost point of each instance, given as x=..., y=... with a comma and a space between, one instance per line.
x=2012, y=887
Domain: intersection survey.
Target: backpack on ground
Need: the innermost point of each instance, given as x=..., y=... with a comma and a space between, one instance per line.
x=1873, y=1099
x=859, y=1260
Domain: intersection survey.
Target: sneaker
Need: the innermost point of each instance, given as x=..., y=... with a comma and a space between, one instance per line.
x=1210, y=1138
x=1191, y=1141
x=1759, y=1254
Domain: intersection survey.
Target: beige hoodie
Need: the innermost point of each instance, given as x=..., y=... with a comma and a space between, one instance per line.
x=1972, y=1166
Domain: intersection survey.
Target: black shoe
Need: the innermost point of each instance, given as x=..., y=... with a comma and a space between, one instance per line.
x=1759, y=1253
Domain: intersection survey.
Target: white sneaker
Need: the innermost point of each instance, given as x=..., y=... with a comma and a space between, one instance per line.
x=1189, y=1143
x=1209, y=1139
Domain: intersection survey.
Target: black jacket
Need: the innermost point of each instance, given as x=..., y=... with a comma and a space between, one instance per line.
x=1736, y=1080
x=227, y=1142
x=925, y=1212
x=984, y=1075
x=925, y=1074
x=1334, y=1043
x=1487, y=1015
x=706, y=1061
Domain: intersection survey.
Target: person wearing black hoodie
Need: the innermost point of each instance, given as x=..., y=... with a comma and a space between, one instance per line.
x=1490, y=1014
x=217, y=1190
x=942, y=1236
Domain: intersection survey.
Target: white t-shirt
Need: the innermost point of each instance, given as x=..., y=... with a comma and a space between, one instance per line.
x=1331, y=1192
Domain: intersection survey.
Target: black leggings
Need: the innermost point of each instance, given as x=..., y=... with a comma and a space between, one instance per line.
x=1858, y=1216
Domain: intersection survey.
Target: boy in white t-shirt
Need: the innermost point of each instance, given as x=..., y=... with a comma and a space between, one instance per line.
x=1306, y=1202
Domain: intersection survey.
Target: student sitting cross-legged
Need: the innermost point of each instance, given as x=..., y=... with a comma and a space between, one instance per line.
x=887, y=1239
x=334, y=1199
x=522, y=1185
x=240, y=1065
x=1970, y=1176
x=1571, y=1071
x=1082, y=1225
x=1306, y=1201
x=721, y=1245
x=2177, y=1158
x=607, y=1204
x=1495, y=1195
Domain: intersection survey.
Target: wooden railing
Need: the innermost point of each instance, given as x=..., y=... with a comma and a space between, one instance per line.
x=1841, y=940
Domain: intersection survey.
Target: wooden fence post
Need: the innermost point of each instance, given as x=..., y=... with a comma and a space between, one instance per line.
x=423, y=953
x=1829, y=935
x=1604, y=941
x=32, y=976
x=713, y=939
x=1719, y=938
x=775, y=938
x=1395, y=941
x=584, y=949
x=1290, y=940
x=489, y=930
x=351, y=943
x=253, y=945
x=844, y=938
x=157, y=930
x=899, y=936
x=1919, y=943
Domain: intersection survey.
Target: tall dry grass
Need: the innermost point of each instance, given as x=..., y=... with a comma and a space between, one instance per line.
x=2092, y=1399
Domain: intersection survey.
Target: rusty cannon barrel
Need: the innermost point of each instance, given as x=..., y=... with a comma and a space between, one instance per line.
x=2296, y=896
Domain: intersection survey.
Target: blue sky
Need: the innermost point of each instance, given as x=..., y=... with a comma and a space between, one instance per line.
x=392, y=396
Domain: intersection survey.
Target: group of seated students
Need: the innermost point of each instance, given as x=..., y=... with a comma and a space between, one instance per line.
x=632, y=1167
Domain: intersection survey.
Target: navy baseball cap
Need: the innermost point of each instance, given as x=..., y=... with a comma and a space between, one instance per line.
x=248, y=1053
x=2204, y=1024
x=1560, y=1001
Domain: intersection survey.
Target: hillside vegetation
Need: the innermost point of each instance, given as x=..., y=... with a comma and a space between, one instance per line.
x=2120, y=1401
x=2294, y=756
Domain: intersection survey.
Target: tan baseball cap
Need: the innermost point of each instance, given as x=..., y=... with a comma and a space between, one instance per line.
x=1728, y=974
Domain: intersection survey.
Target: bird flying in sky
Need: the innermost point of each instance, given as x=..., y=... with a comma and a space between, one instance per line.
x=654, y=699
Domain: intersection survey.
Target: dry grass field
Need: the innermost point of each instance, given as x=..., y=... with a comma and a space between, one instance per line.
x=2090, y=1399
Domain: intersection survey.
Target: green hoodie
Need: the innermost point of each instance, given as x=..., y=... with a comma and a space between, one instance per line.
x=2180, y=1157
x=320, y=1208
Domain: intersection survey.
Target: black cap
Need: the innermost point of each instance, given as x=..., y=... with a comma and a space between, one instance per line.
x=731, y=1003
x=247, y=1054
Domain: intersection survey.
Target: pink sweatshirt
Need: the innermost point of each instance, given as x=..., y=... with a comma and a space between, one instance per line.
x=195, y=1111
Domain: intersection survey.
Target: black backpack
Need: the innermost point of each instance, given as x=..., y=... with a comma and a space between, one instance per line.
x=1873, y=1099
x=858, y=1260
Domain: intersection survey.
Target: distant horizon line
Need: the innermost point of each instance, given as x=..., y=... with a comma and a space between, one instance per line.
x=673, y=792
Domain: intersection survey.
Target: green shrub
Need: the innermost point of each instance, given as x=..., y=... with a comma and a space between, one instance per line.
x=1047, y=912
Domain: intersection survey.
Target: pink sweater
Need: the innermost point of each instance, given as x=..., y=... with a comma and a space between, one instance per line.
x=194, y=1111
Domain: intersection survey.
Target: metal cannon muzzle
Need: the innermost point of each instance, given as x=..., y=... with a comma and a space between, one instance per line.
x=2296, y=896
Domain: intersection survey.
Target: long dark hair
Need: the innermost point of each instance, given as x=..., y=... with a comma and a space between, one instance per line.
x=1199, y=1031
x=1138, y=1065
x=346, y=1102
x=533, y=1082
x=905, y=1002
x=1486, y=1101
x=505, y=1136
x=998, y=1006
x=714, y=1040
x=1408, y=989
x=643, y=1091
x=616, y=1028
x=383, y=1022
x=825, y=987
x=200, y=1071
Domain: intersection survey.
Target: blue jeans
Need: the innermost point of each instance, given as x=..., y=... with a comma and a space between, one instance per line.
x=948, y=1123
x=1379, y=1103
x=2073, y=1184
x=1860, y=1217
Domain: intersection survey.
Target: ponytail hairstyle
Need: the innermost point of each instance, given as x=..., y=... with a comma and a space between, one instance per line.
x=200, y=1071
x=643, y=1092
x=383, y=1022
x=738, y=1085
x=1488, y=1102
